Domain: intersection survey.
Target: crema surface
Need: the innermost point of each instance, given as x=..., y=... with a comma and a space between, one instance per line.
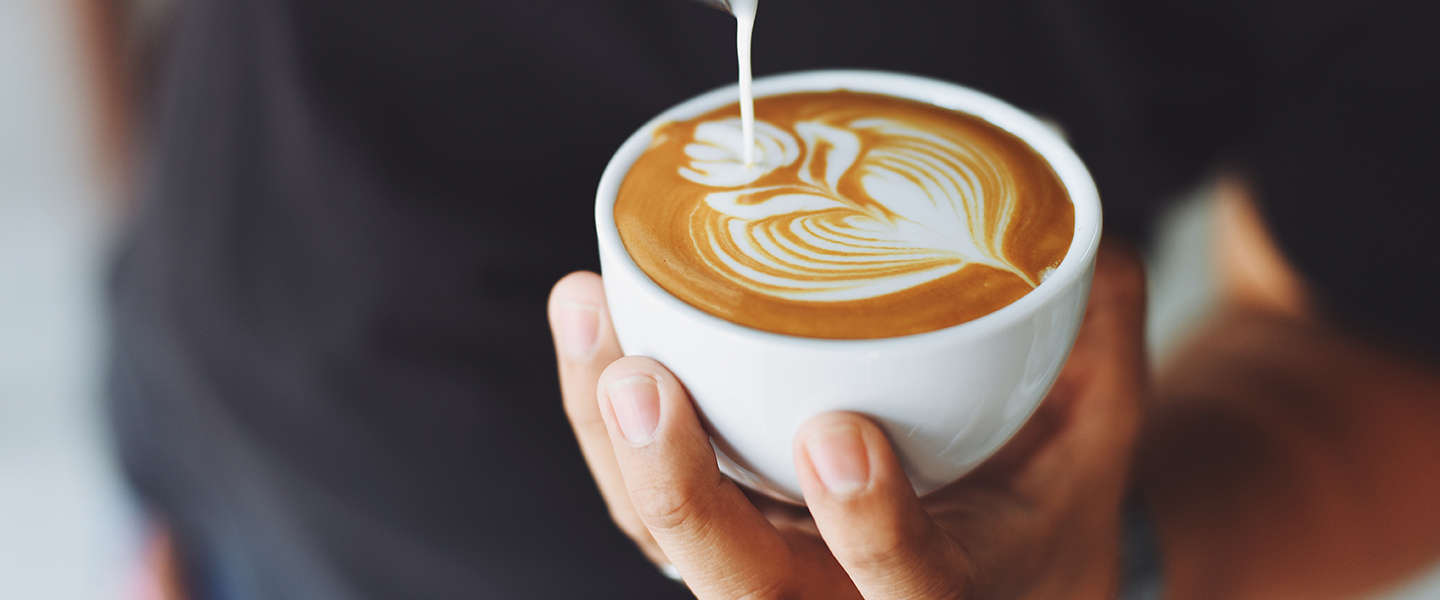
x=862, y=216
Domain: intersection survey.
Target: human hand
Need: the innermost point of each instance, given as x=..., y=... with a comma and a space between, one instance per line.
x=1040, y=519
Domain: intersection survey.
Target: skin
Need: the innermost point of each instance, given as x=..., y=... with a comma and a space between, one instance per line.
x=100, y=35
x=1285, y=458
x=1288, y=462
x=1047, y=503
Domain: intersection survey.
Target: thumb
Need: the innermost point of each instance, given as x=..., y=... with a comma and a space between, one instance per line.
x=869, y=516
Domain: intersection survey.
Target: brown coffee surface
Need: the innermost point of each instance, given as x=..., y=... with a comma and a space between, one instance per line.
x=863, y=216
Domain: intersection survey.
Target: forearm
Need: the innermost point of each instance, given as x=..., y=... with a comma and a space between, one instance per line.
x=1285, y=460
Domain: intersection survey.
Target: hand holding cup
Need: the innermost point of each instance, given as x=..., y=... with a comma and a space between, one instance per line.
x=1038, y=519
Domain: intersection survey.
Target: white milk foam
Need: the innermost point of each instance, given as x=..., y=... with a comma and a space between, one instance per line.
x=744, y=11
x=922, y=215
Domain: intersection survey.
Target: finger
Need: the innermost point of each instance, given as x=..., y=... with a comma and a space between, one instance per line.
x=1114, y=322
x=584, y=346
x=1109, y=362
x=1093, y=412
x=869, y=516
x=719, y=542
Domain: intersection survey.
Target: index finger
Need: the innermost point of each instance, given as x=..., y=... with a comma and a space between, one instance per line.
x=584, y=345
x=722, y=545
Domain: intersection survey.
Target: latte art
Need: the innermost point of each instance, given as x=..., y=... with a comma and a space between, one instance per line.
x=930, y=206
x=715, y=155
x=855, y=206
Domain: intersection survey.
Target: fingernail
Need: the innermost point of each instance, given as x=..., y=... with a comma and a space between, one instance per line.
x=840, y=459
x=636, y=403
x=577, y=326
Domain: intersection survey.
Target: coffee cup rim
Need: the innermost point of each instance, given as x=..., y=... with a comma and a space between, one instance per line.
x=1043, y=138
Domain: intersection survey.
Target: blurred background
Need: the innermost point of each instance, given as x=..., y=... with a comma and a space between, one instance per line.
x=65, y=522
x=68, y=528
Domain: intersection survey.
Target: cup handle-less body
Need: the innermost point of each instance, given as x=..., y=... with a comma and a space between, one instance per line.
x=946, y=407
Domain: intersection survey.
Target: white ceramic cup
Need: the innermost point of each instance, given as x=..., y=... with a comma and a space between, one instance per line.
x=948, y=399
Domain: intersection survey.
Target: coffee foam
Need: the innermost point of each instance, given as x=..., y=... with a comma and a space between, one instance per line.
x=857, y=210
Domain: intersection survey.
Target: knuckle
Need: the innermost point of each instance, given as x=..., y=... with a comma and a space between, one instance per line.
x=772, y=589
x=895, y=547
x=903, y=563
x=878, y=550
x=668, y=506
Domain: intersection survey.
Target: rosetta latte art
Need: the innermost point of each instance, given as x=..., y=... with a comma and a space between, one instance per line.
x=929, y=206
x=859, y=215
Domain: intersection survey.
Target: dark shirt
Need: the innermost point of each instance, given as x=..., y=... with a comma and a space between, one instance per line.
x=331, y=372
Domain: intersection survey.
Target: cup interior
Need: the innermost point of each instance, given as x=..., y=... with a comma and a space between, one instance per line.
x=1042, y=138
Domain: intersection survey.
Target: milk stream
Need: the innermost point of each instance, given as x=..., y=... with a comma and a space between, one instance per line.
x=744, y=11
